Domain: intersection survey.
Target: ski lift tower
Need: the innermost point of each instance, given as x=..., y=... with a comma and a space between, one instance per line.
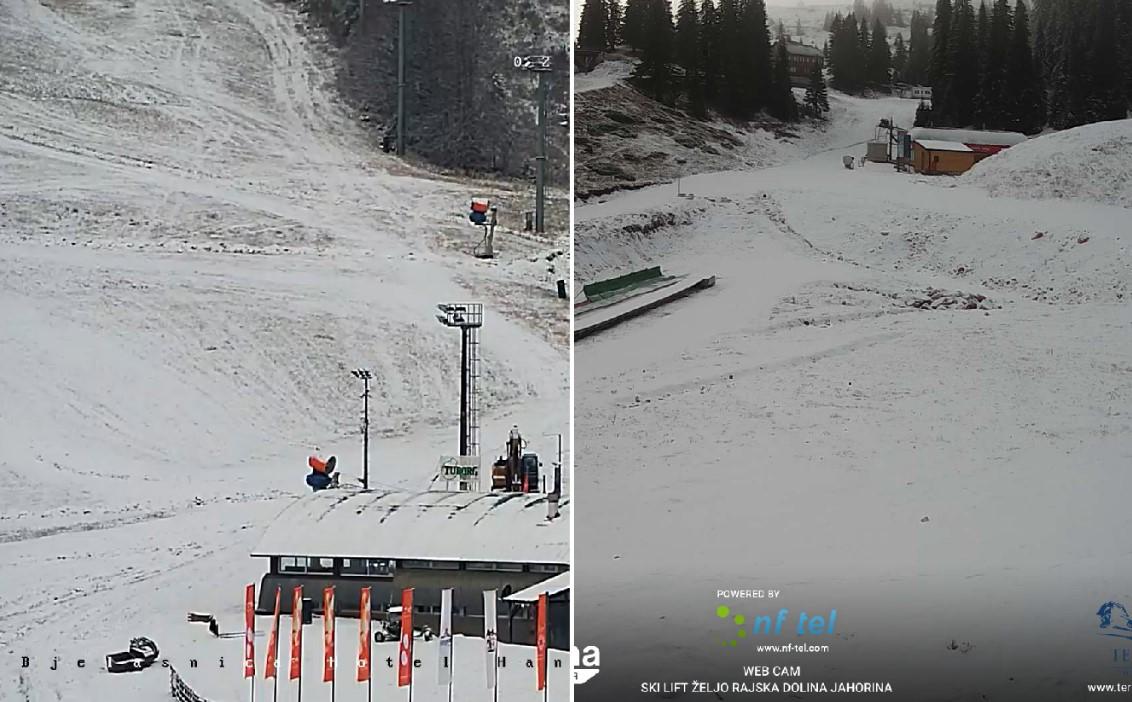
x=468, y=317
x=541, y=66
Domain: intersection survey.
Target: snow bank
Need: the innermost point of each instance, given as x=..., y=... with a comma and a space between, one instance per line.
x=1092, y=163
x=606, y=75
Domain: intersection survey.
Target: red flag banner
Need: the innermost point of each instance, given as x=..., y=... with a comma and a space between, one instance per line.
x=328, y=634
x=297, y=633
x=405, y=655
x=249, y=631
x=540, y=639
x=271, y=666
x=364, y=637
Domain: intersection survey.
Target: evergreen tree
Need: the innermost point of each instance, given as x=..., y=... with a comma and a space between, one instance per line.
x=919, y=51
x=847, y=59
x=652, y=73
x=983, y=101
x=755, y=63
x=591, y=27
x=864, y=40
x=633, y=24
x=994, y=85
x=899, y=57
x=940, y=71
x=711, y=40
x=1107, y=100
x=924, y=117
x=817, y=98
x=731, y=97
x=688, y=55
x=964, y=60
x=781, y=103
x=880, y=58
x=613, y=24
x=1024, y=101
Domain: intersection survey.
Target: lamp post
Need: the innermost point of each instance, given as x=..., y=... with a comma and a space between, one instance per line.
x=401, y=5
x=365, y=376
x=541, y=66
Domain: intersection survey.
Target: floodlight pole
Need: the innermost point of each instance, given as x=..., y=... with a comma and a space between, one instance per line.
x=541, y=66
x=365, y=434
x=401, y=76
x=540, y=183
x=365, y=376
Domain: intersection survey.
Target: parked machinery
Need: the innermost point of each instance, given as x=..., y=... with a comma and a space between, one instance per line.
x=517, y=471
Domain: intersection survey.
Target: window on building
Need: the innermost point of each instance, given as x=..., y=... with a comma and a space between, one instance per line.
x=492, y=565
x=380, y=566
x=292, y=564
x=433, y=565
x=547, y=568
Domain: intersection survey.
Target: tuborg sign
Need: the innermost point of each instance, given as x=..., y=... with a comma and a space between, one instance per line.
x=462, y=469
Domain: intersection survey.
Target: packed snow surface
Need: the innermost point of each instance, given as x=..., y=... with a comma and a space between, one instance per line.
x=1090, y=163
x=197, y=246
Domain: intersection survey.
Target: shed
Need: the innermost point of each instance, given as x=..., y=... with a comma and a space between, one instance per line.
x=981, y=142
x=934, y=157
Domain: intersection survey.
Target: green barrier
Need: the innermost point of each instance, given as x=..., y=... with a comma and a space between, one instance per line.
x=607, y=288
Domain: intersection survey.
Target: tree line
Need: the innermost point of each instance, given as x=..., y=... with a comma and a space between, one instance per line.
x=713, y=55
x=996, y=67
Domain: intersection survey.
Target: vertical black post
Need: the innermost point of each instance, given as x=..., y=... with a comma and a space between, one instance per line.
x=401, y=78
x=540, y=183
x=464, y=370
x=365, y=436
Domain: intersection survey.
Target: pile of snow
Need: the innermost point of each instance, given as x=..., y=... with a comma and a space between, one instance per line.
x=606, y=75
x=1092, y=163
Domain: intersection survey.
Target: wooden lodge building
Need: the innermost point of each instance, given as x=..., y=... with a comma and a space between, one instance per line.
x=802, y=58
x=937, y=151
x=429, y=541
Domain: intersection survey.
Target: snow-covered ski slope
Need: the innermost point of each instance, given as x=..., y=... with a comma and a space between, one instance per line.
x=936, y=475
x=196, y=247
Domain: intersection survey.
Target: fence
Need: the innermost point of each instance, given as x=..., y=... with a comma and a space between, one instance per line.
x=606, y=288
x=180, y=690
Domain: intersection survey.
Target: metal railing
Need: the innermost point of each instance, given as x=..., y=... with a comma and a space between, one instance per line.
x=180, y=690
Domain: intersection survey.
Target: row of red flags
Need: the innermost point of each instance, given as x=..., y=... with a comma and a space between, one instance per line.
x=365, y=636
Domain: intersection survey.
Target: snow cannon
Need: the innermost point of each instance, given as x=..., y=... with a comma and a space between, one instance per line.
x=320, y=476
x=478, y=215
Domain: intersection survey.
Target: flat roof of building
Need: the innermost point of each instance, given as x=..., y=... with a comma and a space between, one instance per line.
x=968, y=136
x=551, y=586
x=934, y=145
x=501, y=527
x=799, y=49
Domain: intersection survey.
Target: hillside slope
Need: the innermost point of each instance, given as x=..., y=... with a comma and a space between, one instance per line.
x=197, y=245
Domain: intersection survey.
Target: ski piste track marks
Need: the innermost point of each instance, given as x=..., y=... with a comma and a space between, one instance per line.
x=143, y=147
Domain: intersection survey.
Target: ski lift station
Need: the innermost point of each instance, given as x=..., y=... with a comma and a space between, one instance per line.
x=469, y=541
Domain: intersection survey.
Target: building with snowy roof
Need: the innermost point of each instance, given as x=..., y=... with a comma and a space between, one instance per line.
x=429, y=541
x=981, y=142
x=801, y=58
x=934, y=157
